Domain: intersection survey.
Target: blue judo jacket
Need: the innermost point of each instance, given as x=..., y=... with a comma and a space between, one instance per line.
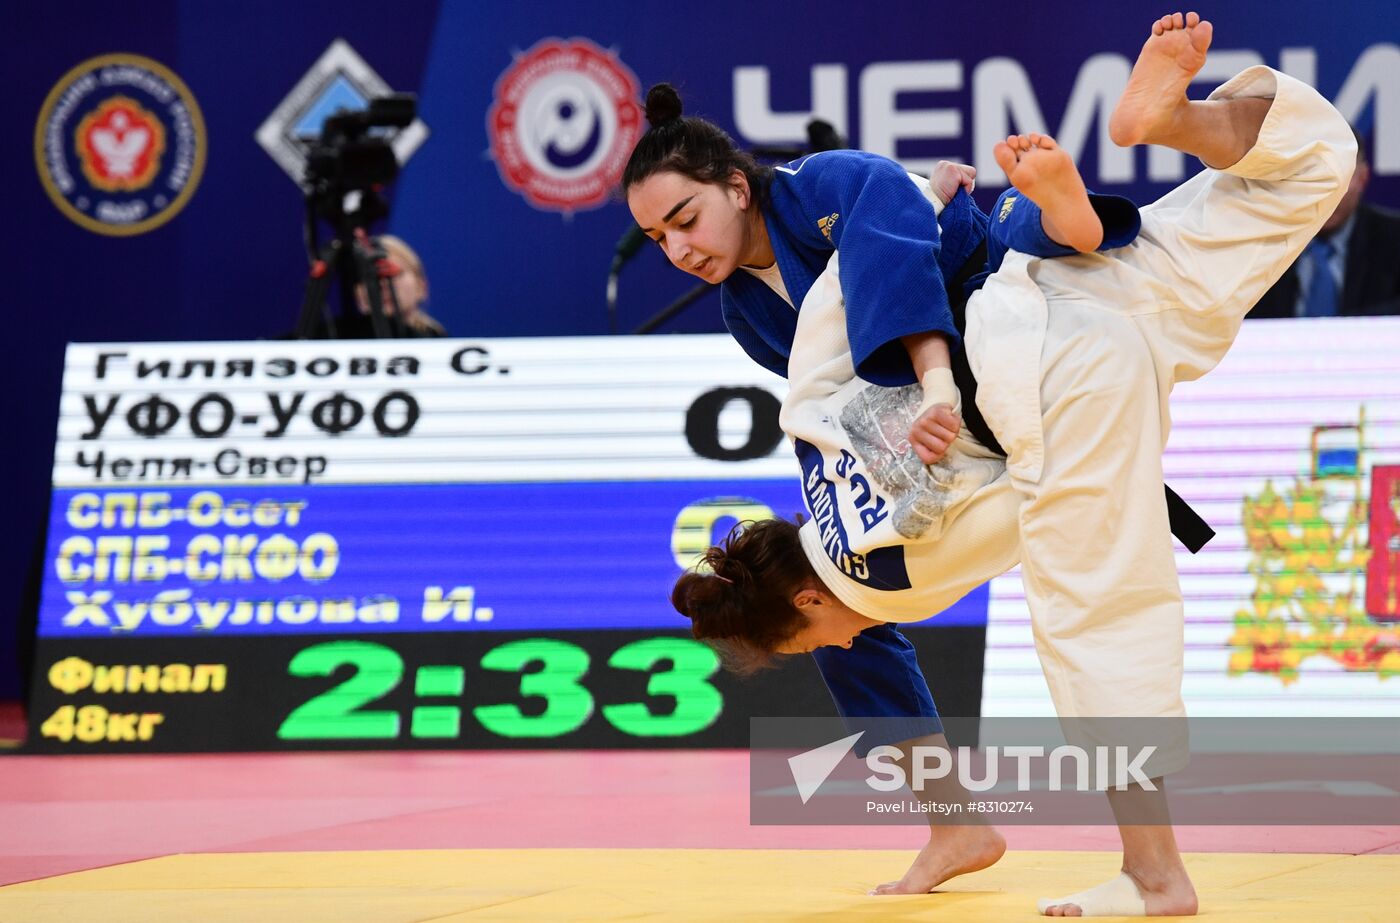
x=895, y=256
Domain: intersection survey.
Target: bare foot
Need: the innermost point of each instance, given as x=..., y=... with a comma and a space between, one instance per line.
x=1047, y=176
x=952, y=851
x=1170, y=895
x=1156, y=91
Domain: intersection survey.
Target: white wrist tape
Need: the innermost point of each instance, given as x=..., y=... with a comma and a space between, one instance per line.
x=939, y=389
x=930, y=193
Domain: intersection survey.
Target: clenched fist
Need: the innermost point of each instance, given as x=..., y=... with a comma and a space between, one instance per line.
x=934, y=431
x=948, y=177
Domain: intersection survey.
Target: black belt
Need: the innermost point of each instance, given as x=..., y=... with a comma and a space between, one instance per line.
x=1186, y=524
x=962, y=372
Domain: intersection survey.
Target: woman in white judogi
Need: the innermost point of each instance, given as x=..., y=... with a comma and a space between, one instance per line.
x=1075, y=359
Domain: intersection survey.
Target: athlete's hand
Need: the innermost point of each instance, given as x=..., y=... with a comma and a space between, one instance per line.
x=934, y=431
x=948, y=177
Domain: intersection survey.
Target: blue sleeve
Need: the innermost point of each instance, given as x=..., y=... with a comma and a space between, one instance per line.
x=747, y=337
x=1015, y=225
x=885, y=231
x=962, y=227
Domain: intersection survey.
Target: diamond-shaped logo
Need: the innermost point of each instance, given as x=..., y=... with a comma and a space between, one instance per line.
x=340, y=79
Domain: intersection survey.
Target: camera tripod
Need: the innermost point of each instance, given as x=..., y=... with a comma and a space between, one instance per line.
x=356, y=260
x=346, y=169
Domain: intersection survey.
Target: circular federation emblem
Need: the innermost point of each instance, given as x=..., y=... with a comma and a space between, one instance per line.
x=564, y=121
x=120, y=144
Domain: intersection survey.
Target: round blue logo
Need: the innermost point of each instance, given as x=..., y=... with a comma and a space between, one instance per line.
x=120, y=144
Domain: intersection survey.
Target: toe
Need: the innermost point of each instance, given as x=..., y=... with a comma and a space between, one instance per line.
x=1177, y=21
x=1192, y=19
x=892, y=887
x=1005, y=156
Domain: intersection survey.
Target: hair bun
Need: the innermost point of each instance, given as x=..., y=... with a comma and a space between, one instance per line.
x=730, y=570
x=663, y=105
x=694, y=593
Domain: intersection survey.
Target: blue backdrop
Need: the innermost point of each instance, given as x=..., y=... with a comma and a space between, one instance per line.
x=230, y=265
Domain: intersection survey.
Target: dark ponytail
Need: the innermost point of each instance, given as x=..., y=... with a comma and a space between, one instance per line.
x=743, y=608
x=690, y=146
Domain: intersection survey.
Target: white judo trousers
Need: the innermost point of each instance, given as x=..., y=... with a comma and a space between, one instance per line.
x=1075, y=360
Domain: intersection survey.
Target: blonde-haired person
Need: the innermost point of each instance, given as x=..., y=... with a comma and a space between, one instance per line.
x=409, y=287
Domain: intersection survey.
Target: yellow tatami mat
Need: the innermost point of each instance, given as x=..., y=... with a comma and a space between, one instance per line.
x=442, y=886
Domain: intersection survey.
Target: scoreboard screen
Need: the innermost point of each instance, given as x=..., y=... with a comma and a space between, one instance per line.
x=459, y=543
x=407, y=543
